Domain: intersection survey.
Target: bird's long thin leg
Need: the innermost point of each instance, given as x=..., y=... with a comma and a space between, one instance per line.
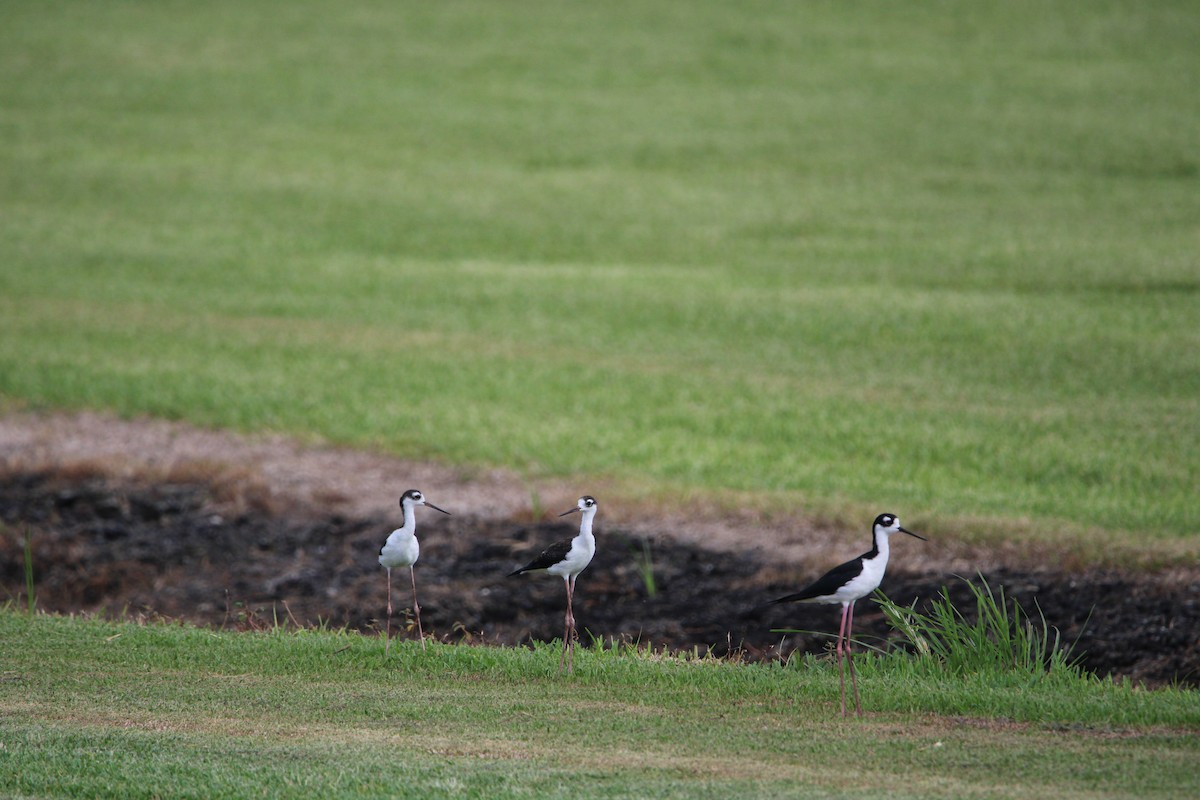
x=841, y=665
x=567, y=626
x=387, y=631
x=571, y=613
x=850, y=658
x=417, y=608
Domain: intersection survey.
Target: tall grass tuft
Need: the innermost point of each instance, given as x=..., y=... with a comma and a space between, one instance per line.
x=536, y=509
x=645, y=567
x=1001, y=638
x=29, y=571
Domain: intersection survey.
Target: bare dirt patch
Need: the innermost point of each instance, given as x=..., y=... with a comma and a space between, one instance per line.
x=156, y=517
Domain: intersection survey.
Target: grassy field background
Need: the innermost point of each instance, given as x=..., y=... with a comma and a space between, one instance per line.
x=99, y=709
x=939, y=259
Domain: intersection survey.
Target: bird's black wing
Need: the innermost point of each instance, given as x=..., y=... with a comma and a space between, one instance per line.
x=548, y=558
x=827, y=584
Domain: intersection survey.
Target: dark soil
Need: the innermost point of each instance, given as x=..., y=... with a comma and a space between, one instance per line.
x=172, y=550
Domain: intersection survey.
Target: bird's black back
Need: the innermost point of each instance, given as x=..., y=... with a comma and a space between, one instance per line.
x=548, y=557
x=830, y=582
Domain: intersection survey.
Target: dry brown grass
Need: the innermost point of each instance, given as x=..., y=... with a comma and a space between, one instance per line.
x=276, y=475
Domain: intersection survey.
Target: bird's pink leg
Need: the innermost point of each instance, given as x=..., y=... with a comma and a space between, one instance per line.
x=416, y=608
x=387, y=631
x=571, y=616
x=850, y=658
x=841, y=666
x=562, y=659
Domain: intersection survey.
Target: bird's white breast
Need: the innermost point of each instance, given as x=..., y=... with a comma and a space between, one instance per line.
x=866, y=582
x=583, y=547
x=400, y=550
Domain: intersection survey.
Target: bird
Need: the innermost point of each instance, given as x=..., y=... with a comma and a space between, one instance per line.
x=401, y=550
x=567, y=559
x=847, y=583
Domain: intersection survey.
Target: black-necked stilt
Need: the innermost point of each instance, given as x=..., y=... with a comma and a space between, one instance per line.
x=567, y=559
x=401, y=550
x=847, y=583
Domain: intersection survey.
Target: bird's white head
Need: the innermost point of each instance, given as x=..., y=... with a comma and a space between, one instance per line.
x=887, y=524
x=413, y=497
x=586, y=504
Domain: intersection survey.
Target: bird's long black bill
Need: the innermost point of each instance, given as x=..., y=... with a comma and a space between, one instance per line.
x=435, y=508
x=572, y=511
x=914, y=535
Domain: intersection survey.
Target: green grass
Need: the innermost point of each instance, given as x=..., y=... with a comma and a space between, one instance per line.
x=935, y=259
x=90, y=708
x=1000, y=636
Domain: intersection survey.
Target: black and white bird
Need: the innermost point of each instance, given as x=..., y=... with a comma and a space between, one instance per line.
x=567, y=559
x=847, y=583
x=402, y=550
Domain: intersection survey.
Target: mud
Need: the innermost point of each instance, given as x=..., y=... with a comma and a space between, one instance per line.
x=191, y=551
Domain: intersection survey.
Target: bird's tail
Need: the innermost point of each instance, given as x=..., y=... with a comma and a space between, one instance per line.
x=790, y=598
x=761, y=607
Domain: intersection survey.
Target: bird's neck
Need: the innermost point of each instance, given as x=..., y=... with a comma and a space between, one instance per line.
x=410, y=519
x=585, y=525
x=880, y=550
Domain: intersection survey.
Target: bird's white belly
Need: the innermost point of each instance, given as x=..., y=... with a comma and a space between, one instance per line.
x=578, y=557
x=400, y=550
x=866, y=582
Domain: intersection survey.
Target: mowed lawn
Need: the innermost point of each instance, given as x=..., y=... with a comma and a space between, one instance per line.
x=96, y=709
x=939, y=259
